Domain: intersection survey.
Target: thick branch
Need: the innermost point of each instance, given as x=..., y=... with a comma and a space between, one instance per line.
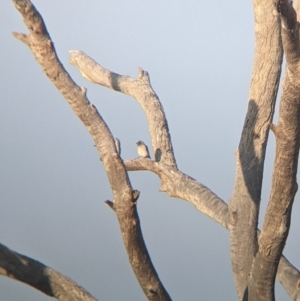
x=277, y=219
x=139, y=88
x=250, y=156
x=206, y=201
x=289, y=277
x=210, y=204
x=290, y=31
x=41, y=277
x=284, y=186
x=174, y=182
x=179, y=185
x=124, y=197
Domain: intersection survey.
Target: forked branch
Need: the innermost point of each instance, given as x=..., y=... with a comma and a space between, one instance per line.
x=244, y=203
x=178, y=184
x=284, y=185
x=124, y=203
x=139, y=88
x=174, y=182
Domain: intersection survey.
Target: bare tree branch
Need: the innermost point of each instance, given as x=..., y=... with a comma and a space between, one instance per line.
x=289, y=277
x=284, y=185
x=139, y=88
x=173, y=181
x=210, y=204
x=290, y=34
x=125, y=197
x=41, y=277
x=250, y=156
x=179, y=185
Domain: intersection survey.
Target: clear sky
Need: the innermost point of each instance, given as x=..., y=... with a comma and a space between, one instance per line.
x=53, y=186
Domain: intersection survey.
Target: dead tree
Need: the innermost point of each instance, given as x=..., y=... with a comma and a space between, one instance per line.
x=256, y=256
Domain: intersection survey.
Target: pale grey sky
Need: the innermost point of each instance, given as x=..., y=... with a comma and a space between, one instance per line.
x=199, y=56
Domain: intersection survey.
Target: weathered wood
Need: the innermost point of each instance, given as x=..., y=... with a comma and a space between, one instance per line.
x=242, y=213
x=284, y=185
x=41, y=277
x=244, y=203
x=140, y=88
x=211, y=205
x=124, y=203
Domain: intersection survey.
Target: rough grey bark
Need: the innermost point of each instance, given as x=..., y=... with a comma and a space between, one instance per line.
x=179, y=185
x=214, y=207
x=250, y=156
x=284, y=185
x=173, y=181
x=139, y=88
x=125, y=197
x=289, y=277
x=41, y=277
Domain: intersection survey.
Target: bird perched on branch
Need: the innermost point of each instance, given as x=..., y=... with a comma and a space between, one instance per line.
x=142, y=149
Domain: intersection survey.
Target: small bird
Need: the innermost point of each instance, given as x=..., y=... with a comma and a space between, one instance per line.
x=118, y=146
x=142, y=149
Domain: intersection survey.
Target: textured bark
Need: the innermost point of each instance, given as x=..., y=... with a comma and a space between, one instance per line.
x=211, y=205
x=173, y=181
x=179, y=185
x=41, y=277
x=244, y=203
x=125, y=197
x=250, y=156
x=289, y=277
x=142, y=91
x=284, y=186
